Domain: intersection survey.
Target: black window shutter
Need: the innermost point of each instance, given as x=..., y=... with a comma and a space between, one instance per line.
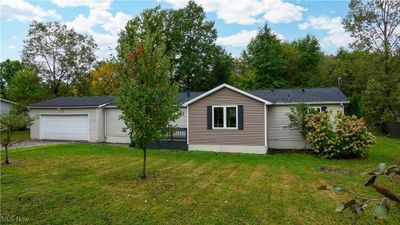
x=240, y=117
x=209, y=118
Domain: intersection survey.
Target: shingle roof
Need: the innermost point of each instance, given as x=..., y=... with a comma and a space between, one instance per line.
x=272, y=95
x=95, y=101
x=74, y=102
x=331, y=94
x=182, y=98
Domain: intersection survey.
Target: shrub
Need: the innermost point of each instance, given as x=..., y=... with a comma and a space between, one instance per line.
x=344, y=137
x=296, y=118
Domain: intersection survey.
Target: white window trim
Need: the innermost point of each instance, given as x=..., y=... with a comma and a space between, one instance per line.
x=224, y=118
x=319, y=108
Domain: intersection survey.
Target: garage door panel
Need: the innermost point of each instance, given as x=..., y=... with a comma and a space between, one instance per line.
x=64, y=127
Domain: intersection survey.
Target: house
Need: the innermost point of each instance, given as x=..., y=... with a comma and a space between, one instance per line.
x=6, y=105
x=224, y=119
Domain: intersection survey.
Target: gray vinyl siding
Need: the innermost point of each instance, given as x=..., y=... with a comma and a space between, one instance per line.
x=181, y=122
x=114, y=125
x=280, y=136
x=5, y=107
x=96, y=128
x=254, y=127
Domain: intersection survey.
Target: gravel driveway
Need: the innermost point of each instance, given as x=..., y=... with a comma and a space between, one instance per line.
x=30, y=143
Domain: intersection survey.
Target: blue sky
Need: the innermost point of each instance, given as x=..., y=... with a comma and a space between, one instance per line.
x=236, y=21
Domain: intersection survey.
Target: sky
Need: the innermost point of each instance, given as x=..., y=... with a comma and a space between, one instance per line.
x=236, y=21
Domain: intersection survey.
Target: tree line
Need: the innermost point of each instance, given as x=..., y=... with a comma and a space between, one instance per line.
x=57, y=61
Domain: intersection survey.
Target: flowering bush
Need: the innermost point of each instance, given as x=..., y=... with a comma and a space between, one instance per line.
x=344, y=137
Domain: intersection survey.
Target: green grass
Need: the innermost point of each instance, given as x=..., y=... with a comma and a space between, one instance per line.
x=99, y=184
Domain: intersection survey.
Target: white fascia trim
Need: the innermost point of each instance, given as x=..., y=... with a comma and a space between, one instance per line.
x=311, y=103
x=8, y=101
x=100, y=106
x=229, y=87
x=63, y=107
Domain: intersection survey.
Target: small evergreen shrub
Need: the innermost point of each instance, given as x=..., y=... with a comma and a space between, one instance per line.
x=344, y=137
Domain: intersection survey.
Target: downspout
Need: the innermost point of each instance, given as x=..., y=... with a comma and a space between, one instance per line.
x=105, y=124
x=103, y=108
x=265, y=129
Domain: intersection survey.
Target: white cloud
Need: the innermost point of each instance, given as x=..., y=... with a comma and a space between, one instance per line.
x=14, y=37
x=336, y=35
x=242, y=38
x=24, y=11
x=111, y=24
x=93, y=4
x=278, y=11
x=279, y=36
x=81, y=24
x=11, y=47
x=116, y=23
x=249, y=11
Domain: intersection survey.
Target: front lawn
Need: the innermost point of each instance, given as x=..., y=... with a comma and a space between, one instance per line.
x=99, y=184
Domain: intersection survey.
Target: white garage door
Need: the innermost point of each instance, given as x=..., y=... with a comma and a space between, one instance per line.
x=64, y=127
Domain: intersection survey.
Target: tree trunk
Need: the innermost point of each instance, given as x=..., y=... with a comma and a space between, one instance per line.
x=6, y=149
x=144, y=163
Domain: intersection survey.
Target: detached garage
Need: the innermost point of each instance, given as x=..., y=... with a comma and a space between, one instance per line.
x=70, y=118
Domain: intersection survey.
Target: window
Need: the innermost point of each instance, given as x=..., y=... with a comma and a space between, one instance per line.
x=218, y=117
x=225, y=117
x=230, y=116
x=320, y=108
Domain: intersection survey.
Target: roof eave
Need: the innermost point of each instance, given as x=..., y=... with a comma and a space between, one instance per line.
x=62, y=107
x=8, y=101
x=312, y=103
x=229, y=87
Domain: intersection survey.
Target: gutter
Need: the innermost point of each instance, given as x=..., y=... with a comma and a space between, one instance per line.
x=69, y=107
x=312, y=103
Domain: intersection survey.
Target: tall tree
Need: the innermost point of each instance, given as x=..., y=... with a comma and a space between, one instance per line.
x=193, y=44
x=7, y=69
x=60, y=54
x=348, y=70
x=310, y=58
x=375, y=25
x=219, y=72
x=146, y=95
x=242, y=75
x=26, y=88
x=266, y=56
x=303, y=59
x=293, y=57
x=103, y=80
x=155, y=21
x=190, y=42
